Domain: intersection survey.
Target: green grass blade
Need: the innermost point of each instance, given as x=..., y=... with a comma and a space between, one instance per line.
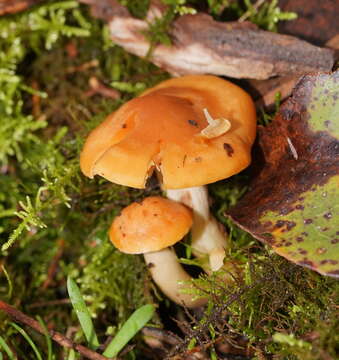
x=28, y=339
x=48, y=339
x=82, y=313
x=71, y=355
x=6, y=348
x=10, y=286
x=134, y=323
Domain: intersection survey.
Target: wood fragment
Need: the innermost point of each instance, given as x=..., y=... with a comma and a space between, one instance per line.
x=14, y=6
x=264, y=91
x=317, y=21
x=201, y=45
x=53, y=267
x=97, y=87
x=56, y=336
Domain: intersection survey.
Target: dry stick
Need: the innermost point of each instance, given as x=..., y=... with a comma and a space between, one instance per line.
x=53, y=267
x=49, y=303
x=56, y=336
x=14, y=6
x=202, y=45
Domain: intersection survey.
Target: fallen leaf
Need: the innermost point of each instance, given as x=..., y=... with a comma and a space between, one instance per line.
x=293, y=200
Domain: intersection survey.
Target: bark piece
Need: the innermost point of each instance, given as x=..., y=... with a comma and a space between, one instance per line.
x=264, y=91
x=293, y=200
x=317, y=21
x=202, y=45
x=14, y=6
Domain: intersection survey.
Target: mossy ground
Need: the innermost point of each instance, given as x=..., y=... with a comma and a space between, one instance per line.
x=54, y=221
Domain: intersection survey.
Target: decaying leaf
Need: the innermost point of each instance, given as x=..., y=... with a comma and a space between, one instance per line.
x=293, y=204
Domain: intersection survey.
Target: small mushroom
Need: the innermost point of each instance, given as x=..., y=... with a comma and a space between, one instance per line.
x=150, y=228
x=191, y=131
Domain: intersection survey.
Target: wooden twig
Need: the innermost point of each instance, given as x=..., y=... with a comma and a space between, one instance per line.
x=97, y=87
x=53, y=267
x=83, y=67
x=264, y=92
x=49, y=303
x=14, y=6
x=56, y=336
x=201, y=45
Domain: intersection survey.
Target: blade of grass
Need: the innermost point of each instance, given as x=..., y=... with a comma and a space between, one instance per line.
x=48, y=339
x=10, y=286
x=28, y=339
x=71, y=355
x=82, y=313
x=6, y=348
x=135, y=322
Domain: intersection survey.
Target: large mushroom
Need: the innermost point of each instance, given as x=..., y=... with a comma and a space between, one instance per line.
x=150, y=227
x=191, y=131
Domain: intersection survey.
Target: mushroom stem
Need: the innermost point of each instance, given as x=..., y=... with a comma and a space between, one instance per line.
x=207, y=236
x=167, y=272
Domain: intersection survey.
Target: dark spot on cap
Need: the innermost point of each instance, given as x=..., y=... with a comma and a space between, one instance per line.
x=193, y=122
x=198, y=159
x=304, y=233
x=335, y=241
x=308, y=221
x=150, y=265
x=123, y=235
x=299, y=207
x=184, y=160
x=124, y=126
x=302, y=251
x=228, y=148
x=299, y=239
x=155, y=214
x=327, y=123
x=288, y=243
x=324, y=229
x=328, y=215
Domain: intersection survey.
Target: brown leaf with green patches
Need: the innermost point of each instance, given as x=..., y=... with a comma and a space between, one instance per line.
x=293, y=201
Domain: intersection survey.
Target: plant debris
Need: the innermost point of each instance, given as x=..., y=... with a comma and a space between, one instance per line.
x=202, y=45
x=292, y=204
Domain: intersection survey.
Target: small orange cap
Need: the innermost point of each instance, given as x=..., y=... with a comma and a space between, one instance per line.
x=161, y=131
x=151, y=225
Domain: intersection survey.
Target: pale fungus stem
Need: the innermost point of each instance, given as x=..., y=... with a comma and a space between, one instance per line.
x=207, y=235
x=215, y=127
x=171, y=278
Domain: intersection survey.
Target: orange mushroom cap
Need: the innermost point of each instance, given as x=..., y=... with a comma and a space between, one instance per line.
x=151, y=225
x=161, y=130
